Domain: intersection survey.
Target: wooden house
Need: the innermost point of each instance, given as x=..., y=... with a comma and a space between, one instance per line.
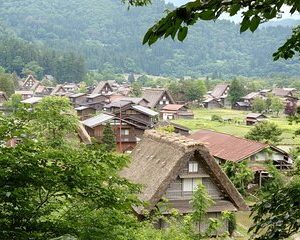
x=103, y=88
x=127, y=133
x=211, y=103
x=78, y=98
x=3, y=98
x=171, y=167
x=71, y=87
x=179, y=129
x=176, y=111
x=218, y=97
x=85, y=112
x=253, y=118
x=249, y=98
x=41, y=91
x=25, y=94
x=96, y=101
x=32, y=101
x=29, y=82
x=157, y=97
x=135, y=100
x=58, y=91
x=129, y=111
x=284, y=92
x=243, y=106
x=265, y=92
x=226, y=147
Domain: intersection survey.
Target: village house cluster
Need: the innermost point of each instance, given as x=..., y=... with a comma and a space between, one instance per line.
x=169, y=166
x=219, y=97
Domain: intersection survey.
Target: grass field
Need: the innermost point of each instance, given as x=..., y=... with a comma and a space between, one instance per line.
x=237, y=126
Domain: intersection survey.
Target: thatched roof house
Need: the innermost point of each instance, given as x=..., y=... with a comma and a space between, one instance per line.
x=172, y=166
x=157, y=97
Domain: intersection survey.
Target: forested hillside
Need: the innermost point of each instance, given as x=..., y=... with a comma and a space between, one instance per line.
x=107, y=34
x=22, y=57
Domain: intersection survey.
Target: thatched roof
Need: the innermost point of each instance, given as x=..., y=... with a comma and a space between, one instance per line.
x=83, y=134
x=154, y=95
x=219, y=90
x=98, y=89
x=158, y=159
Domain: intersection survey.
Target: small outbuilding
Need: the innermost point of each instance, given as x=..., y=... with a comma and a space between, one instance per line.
x=253, y=118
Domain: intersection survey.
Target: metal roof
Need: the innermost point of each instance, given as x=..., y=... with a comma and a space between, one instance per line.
x=226, y=146
x=32, y=100
x=75, y=95
x=82, y=108
x=145, y=110
x=97, y=120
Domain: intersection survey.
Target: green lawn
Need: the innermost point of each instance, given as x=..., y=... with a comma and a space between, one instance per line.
x=237, y=126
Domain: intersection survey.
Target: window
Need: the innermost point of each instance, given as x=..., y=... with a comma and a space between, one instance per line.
x=161, y=102
x=167, y=102
x=124, y=131
x=164, y=98
x=190, y=184
x=193, y=167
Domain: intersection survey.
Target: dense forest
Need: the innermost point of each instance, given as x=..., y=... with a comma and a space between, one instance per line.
x=109, y=35
x=23, y=58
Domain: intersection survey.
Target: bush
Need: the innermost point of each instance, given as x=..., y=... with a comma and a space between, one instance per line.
x=216, y=118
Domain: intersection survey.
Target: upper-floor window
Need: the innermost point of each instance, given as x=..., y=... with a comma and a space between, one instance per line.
x=164, y=97
x=190, y=184
x=193, y=167
x=124, y=131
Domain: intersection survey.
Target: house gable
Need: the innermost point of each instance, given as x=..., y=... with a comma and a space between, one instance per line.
x=159, y=159
x=29, y=82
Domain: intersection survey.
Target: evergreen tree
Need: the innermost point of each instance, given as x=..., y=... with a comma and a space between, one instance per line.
x=276, y=105
x=131, y=78
x=236, y=91
x=259, y=105
x=7, y=83
x=109, y=139
x=136, y=89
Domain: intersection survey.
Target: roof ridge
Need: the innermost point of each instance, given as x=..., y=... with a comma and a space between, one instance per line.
x=178, y=140
x=228, y=134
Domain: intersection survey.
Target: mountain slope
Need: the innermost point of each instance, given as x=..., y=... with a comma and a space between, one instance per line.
x=107, y=34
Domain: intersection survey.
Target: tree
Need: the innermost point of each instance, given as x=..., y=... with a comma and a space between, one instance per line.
x=54, y=120
x=265, y=132
x=14, y=103
x=193, y=89
x=131, y=78
x=33, y=68
x=201, y=202
x=277, y=215
x=52, y=190
x=269, y=101
x=7, y=84
x=254, y=13
x=258, y=105
x=240, y=174
x=136, y=89
x=109, y=139
x=276, y=105
x=236, y=91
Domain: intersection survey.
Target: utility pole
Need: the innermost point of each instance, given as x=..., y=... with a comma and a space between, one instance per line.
x=120, y=134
